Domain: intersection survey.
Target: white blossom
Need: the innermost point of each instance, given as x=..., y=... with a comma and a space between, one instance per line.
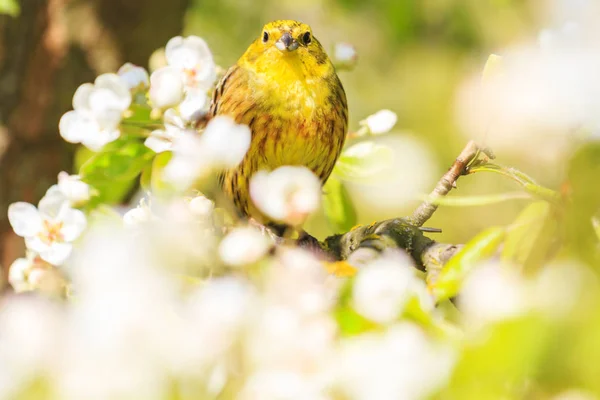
x=194, y=105
x=564, y=37
x=383, y=287
x=201, y=206
x=138, y=215
x=97, y=112
x=288, y=194
x=493, y=292
x=243, y=246
x=282, y=384
x=217, y=312
x=33, y=273
x=192, y=57
x=401, y=363
x=381, y=122
x=223, y=144
x=547, y=94
x=344, y=53
x=50, y=229
x=135, y=77
x=162, y=139
x=74, y=190
x=190, y=73
x=17, y=274
x=166, y=87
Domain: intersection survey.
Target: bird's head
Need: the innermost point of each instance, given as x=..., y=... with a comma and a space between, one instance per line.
x=290, y=42
x=287, y=35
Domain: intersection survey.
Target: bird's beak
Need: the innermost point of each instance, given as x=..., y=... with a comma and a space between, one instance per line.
x=286, y=42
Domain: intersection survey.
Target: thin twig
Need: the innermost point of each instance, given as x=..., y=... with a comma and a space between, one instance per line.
x=445, y=184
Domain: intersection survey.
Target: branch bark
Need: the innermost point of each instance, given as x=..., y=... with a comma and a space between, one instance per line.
x=364, y=243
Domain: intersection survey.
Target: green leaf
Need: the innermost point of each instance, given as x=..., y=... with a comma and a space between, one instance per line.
x=584, y=190
x=452, y=275
x=122, y=159
x=113, y=170
x=503, y=362
x=521, y=178
x=141, y=115
x=338, y=207
x=352, y=323
x=146, y=177
x=10, y=7
x=470, y=201
x=531, y=237
x=349, y=321
x=363, y=161
x=82, y=155
x=157, y=183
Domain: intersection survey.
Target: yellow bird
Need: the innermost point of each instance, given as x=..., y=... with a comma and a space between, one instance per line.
x=285, y=88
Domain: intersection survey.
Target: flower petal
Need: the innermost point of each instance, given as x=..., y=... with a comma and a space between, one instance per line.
x=133, y=76
x=225, y=141
x=187, y=52
x=100, y=139
x=106, y=109
x=74, y=223
x=158, y=142
x=73, y=188
x=57, y=253
x=75, y=126
x=381, y=122
x=192, y=56
x=81, y=97
x=35, y=244
x=137, y=216
x=24, y=218
x=201, y=206
x=288, y=194
x=243, y=246
x=194, y=105
x=17, y=274
x=52, y=202
x=166, y=87
x=344, y=53
x=114, y=84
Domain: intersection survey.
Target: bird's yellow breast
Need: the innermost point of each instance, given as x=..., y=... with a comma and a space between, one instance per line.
x=295, y=107
x=298, y=124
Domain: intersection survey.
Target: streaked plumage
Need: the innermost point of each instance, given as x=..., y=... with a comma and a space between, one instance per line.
x=286, y=90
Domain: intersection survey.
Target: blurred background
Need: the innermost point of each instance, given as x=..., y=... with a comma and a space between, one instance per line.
x=414, y=55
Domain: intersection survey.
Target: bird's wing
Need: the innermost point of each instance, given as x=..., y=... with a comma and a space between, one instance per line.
x=231, y=91
x=232, y=97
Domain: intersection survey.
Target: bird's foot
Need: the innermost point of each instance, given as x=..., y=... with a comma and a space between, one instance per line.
x=266, y=230
x=308, y=242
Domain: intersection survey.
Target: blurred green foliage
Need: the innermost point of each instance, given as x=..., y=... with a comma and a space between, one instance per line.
x=10, y=7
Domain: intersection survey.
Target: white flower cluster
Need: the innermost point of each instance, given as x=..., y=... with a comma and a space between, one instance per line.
x=49, y=229
x=186, y=80
x=545, y=94
x=223, y=144
x=271, y=338
x=98, y=110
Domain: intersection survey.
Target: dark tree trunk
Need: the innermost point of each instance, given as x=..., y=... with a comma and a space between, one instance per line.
x=45, y=54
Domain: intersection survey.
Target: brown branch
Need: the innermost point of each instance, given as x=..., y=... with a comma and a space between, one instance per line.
x=364, y=243
x=425, y=211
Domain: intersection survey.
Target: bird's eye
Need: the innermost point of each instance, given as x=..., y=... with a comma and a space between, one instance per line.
x=265, y=37
x=306, y=38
